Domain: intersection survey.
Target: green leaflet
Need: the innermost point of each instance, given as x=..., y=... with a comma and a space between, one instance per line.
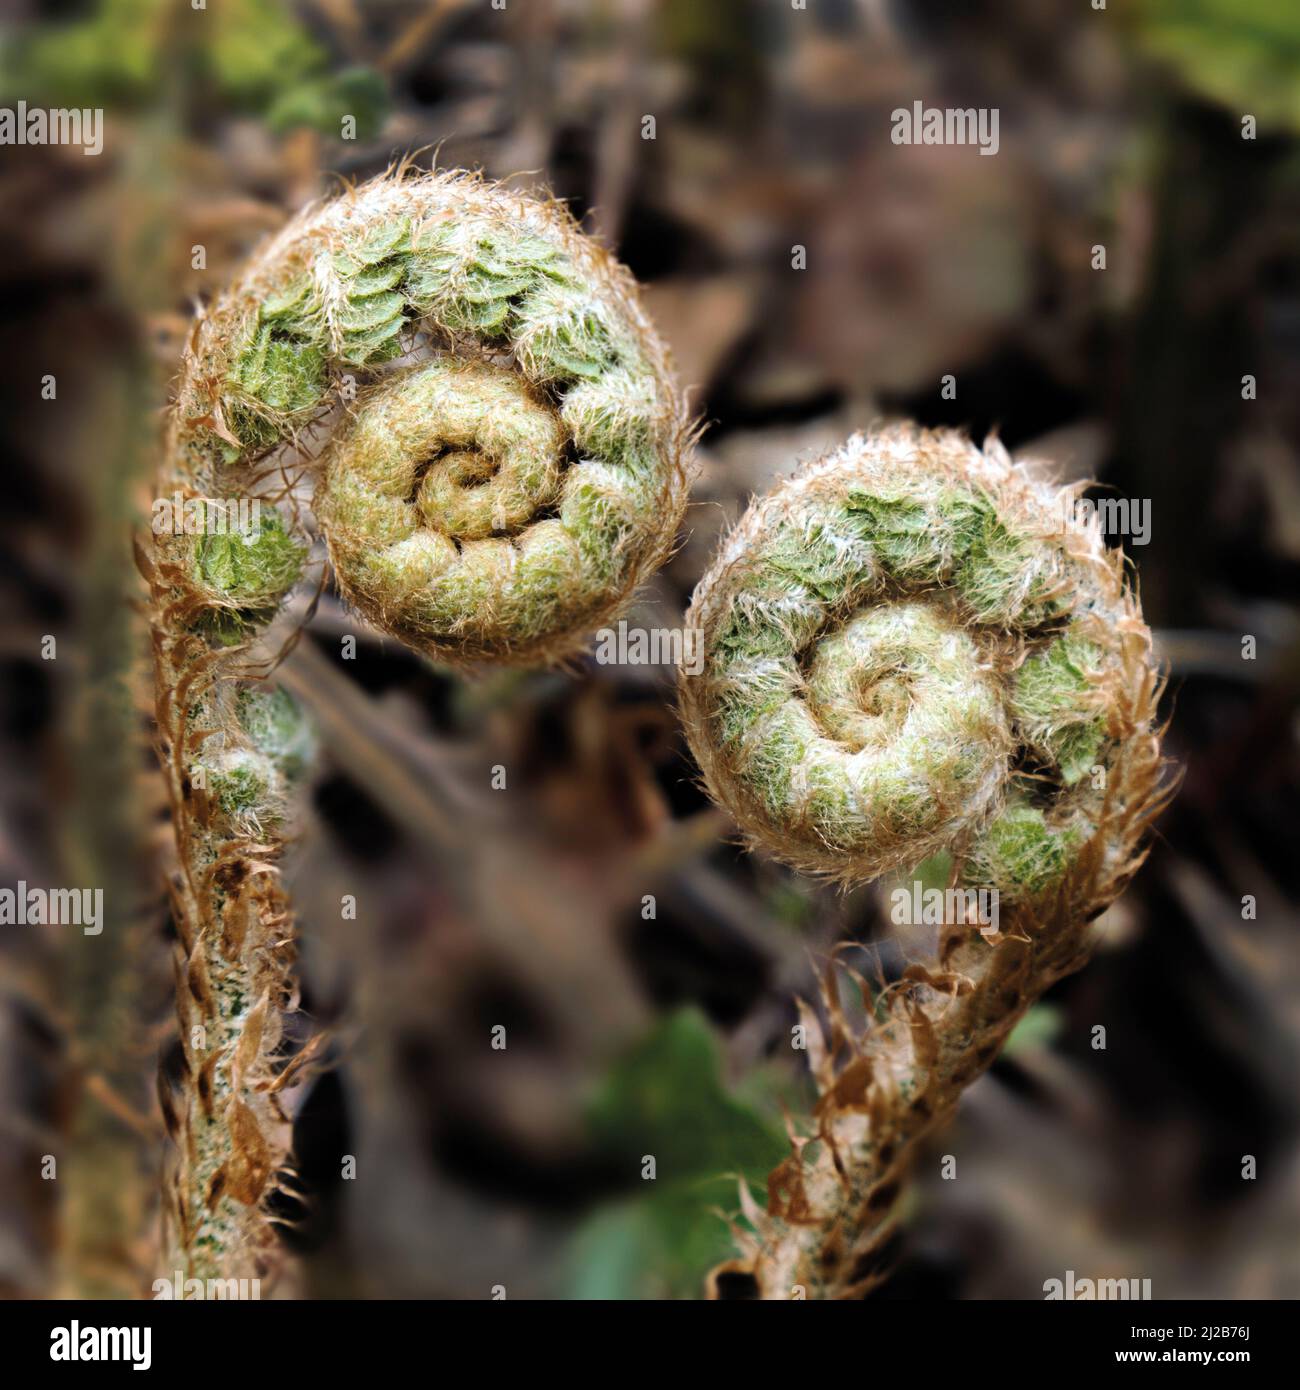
x=665, y=1099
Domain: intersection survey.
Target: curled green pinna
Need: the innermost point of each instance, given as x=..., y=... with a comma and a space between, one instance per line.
x=908, y=650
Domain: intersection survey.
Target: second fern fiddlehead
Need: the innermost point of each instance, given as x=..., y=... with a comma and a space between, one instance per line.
x=497, y=452
x=909, y=647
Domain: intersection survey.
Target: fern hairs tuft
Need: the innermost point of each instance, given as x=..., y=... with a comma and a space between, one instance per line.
x=908, y=651
x=466, y=394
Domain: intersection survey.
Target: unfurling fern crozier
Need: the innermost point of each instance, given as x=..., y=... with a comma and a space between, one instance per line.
x=471, y=396
x=911, y=647
x=498, y=499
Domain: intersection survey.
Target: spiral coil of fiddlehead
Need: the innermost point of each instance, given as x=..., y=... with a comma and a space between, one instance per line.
x=907, y=650
x=499, y=500
x=496, y=454
x=911, y=646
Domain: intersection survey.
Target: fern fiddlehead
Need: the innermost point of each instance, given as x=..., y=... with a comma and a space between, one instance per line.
x=907, y=650
x=497, y=454
x=500, y=500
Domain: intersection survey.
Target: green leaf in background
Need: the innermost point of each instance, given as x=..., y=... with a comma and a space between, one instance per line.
x=322, y=103
x=789, y=902
x=666, y=1098
x=109, y=57
x=260, y=50
x=257, y=55
x=1039, y=1028
x=1244, y=54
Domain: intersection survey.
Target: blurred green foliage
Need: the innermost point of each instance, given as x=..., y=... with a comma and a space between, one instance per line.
x=666, y=1099
x=1243, y=54
x=320, y=101
x=255, y=55
x=789, y=902
x=1039, y=1028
